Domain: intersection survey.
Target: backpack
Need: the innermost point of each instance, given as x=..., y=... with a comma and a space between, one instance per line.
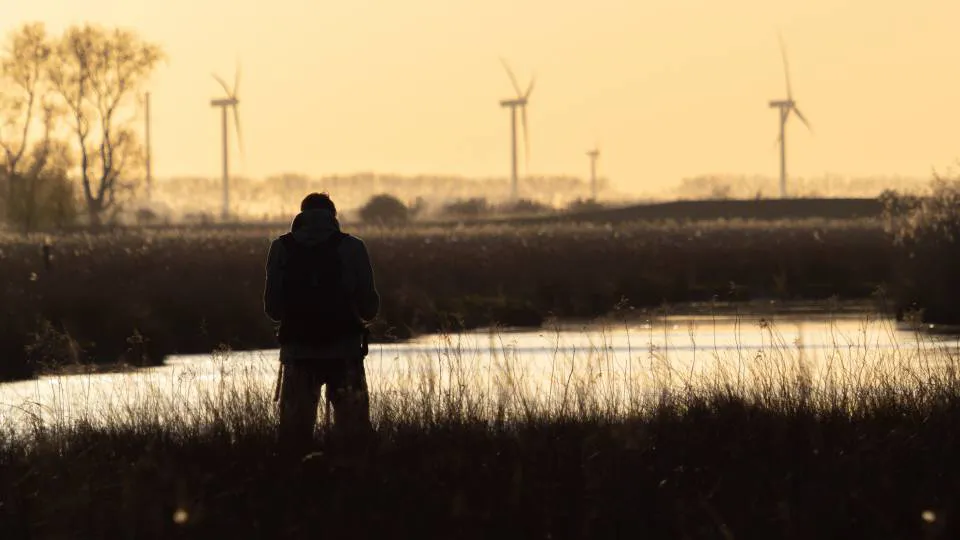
x=317, y=310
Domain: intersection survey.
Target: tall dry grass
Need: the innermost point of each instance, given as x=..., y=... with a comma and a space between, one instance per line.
x=926, y=232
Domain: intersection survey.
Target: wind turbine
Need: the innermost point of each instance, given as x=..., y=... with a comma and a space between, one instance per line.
x=786, y=106
x=520, y=101
x=229, y=102
x=593, y=154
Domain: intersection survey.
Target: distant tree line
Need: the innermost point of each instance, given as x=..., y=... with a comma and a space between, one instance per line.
x=386, y=210
x=68, y=142
x=721, y=187
x=195, y=199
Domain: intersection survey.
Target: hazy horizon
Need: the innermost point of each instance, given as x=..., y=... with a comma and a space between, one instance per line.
x=669, y=91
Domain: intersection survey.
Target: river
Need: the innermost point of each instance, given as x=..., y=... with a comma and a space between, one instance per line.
x=616, y=365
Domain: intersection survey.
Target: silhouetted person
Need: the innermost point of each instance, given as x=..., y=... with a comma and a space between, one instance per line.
x=320, y=289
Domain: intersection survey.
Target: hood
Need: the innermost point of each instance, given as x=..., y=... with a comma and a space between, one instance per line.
x=314, y=226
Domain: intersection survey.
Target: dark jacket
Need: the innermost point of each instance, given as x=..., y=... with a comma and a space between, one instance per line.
x=311, y=228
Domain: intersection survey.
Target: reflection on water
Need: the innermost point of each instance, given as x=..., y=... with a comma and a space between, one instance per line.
x=619, y=365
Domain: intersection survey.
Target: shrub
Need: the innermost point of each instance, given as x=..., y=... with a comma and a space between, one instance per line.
x=524, y=206
x=897, y=204
x=384, y=209
x=466, y=208
x=926, y=233
x=46, y=200
x=198, y=218
x=584, y=205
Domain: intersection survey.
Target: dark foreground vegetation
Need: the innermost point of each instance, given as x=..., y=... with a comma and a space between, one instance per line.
x=137, y=297
x=787, y=462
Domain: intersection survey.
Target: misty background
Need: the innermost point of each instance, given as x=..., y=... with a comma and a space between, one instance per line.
x=669, y=91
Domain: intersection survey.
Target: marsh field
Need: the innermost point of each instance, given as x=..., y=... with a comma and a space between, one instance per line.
x=718, y=379
x=141, y=296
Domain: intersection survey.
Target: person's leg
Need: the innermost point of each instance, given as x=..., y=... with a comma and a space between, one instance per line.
x=349, y=396
x=299, y=396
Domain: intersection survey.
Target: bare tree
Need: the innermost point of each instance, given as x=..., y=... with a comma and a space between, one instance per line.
x=22, y=99
x=96, y=72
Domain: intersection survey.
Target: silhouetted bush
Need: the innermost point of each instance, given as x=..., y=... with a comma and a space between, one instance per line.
x=46, y=200
x=584, y=205
x=524, y=206
x=467, y=208
x=897, y=204
x=198, y=218
x=384, y=209
x=926, y=232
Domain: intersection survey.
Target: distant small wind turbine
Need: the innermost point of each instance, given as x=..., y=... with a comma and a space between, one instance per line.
x=520, y=101
x=786, y=106
x=594, y=155
x=229, y=102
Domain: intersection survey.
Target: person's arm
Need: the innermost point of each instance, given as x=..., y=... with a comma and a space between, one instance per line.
x=367, y=297
x=272, y=290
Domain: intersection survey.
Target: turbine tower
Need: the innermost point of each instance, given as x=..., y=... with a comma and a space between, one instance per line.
x=785, y=107
x=229, y=102
x=520, y=101
x=593, y=154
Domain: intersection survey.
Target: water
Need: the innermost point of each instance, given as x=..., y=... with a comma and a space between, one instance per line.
x=616, y=365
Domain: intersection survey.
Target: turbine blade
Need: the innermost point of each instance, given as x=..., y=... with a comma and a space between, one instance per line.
x=786, y=67
x=530, y=88
x=222, y=83
x=236, y=82
x=513, y=79
x=801, y=117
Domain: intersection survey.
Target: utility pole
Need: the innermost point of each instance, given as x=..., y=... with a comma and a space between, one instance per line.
x=594, y=154
x=148, y=156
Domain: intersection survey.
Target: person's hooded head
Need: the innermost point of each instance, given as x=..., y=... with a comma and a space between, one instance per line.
x=317, y=219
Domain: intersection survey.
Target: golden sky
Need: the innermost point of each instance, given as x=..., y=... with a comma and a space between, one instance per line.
x=668, y=88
